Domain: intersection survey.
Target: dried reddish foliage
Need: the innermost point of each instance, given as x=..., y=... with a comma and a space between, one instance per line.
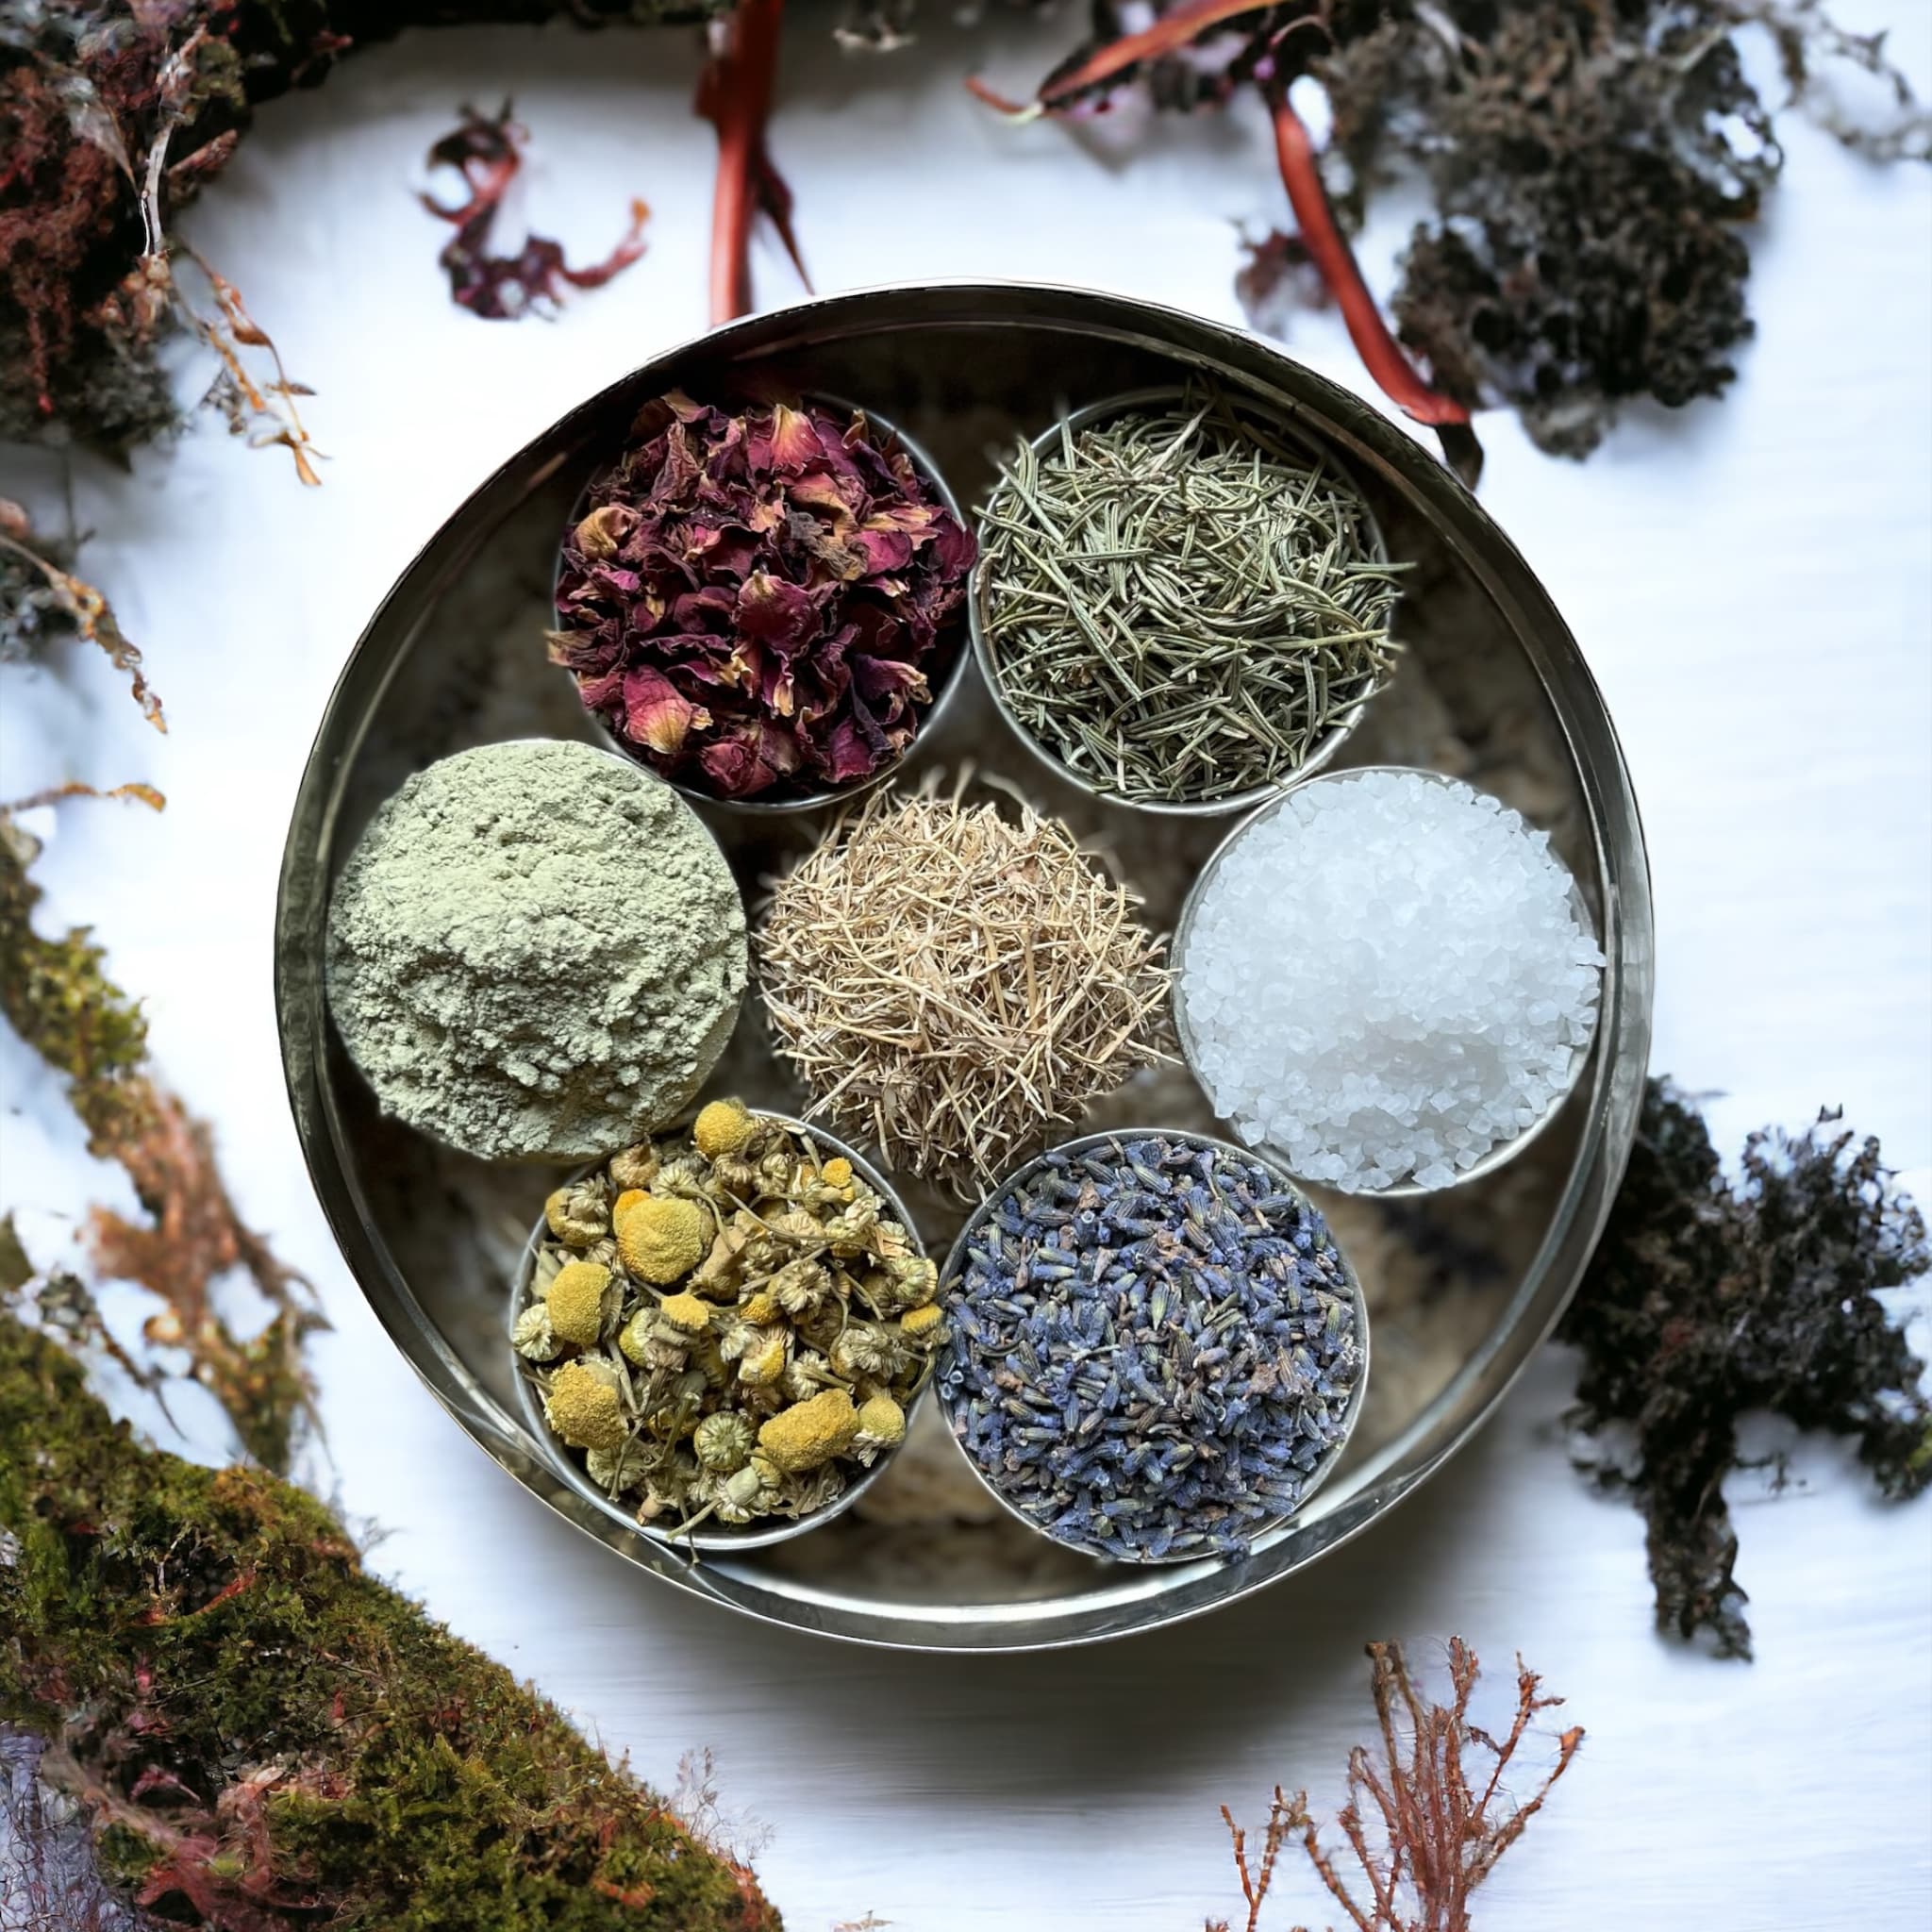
x=59, y=998
x=1428, y=1817
x=192, y=1238
x=487, y=150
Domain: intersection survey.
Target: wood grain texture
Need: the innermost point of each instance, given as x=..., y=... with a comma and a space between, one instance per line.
x=1752, y=583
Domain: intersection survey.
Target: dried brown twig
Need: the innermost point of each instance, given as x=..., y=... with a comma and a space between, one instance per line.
x=1433, y=1827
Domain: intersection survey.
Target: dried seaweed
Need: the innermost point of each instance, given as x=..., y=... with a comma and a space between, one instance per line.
x=1709, y=1299
x=262, y=1738
x=56, y=995
x=487, y=150
x=1427, y=1818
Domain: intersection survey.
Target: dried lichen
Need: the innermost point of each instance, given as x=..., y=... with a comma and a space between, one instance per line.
x=58, y=997
x=263, y=1738
x=1709, y=1299
x=1427, y=1816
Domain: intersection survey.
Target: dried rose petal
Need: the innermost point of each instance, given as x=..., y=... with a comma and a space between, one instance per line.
x=758, y=604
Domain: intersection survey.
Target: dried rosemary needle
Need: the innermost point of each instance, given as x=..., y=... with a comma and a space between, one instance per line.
x=952, y=984
x=1179, y=606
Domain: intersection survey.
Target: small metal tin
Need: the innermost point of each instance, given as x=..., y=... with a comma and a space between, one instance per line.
x=957, y=652
x=1264, y=1533
x=1045, y=444
x=715, y=1538
x=712, y=1048
x=1498, y=1156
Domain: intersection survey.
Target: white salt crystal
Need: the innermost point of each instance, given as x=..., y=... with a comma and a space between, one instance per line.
x=1386, y=978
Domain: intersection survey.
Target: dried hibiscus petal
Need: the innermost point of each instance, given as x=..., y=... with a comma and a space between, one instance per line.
x=760, y=605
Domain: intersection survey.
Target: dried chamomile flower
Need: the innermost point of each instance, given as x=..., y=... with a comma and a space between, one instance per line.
x=532, y=1337
x=739, y=1341
x=863, y=1350
x=923, y=1324
x=577, y=1301
x=620, y=1469
x=634, y=1168
x=685, y=1313
x=762, y=1356
x=811, y=1433
x=723, y=1442
x=800, y=1286
x=584, y=1408
x=579, y=1211
x=660, y=1241
x=722, y=1128
x=881, y=1425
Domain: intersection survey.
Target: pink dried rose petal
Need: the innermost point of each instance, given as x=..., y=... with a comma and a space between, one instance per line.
x=754, y=602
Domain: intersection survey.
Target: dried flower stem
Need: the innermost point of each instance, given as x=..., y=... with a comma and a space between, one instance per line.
x=734, y=95
x=1382, y=354
x=1427, y=1820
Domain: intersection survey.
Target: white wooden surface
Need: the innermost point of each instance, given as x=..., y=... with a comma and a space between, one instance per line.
x=1752, y=585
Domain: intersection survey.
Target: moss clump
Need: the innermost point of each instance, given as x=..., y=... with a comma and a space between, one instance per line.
x=1709, y=1299
x=311, y=1747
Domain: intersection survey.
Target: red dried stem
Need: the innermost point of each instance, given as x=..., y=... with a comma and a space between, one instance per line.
x=1434, y=1838
x=734, y=95
x=1381, y=354
x=1168, y=35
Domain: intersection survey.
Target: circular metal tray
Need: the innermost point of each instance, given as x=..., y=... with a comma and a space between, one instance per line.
x=1461, y=1285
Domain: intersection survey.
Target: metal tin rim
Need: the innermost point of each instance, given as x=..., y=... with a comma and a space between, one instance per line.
x=964, y=650
x=1504, y=1151
x=725, y=1542
x=1043, y=444
x=1070, y=318
x=1271, y=1527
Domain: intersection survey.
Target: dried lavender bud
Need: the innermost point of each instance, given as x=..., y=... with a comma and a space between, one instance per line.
x=1154, y=1345
x=1706, y=1300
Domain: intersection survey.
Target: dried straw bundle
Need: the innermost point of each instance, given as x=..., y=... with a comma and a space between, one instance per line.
x=952, y=984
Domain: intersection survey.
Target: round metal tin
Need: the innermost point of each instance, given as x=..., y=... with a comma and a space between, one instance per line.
x=433, y=1242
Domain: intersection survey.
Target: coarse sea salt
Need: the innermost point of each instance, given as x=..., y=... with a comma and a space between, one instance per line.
x=1384, y=979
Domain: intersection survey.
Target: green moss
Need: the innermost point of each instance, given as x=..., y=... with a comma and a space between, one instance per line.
x=221, y=1620
x=62, y=1004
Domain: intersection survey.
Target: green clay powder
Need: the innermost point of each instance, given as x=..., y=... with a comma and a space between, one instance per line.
x=536, y=952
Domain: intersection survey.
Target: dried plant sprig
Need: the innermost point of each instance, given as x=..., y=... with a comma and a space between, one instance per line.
x=1181, y=605
x=58, y=996
x=1709, y=1299
x=41, y=597
x=952, y=984
x=1427, y=1818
